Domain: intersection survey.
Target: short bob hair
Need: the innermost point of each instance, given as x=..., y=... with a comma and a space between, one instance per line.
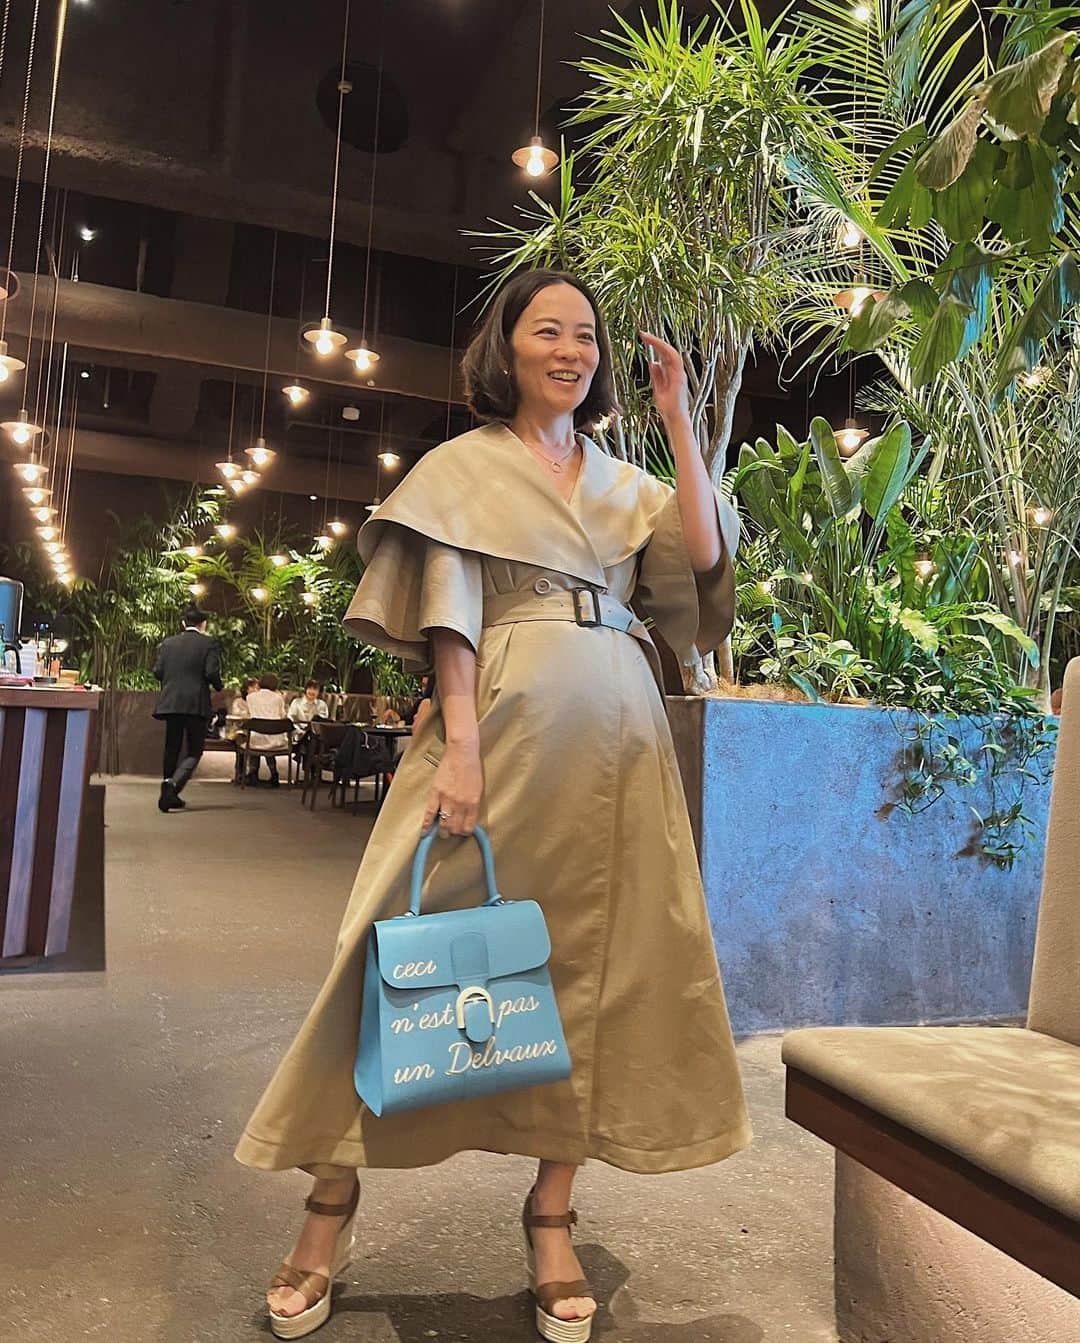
x=268, y=682
x=487, y=366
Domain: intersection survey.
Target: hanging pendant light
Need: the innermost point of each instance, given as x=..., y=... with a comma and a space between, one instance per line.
x=260, y=454
x=856, y=297
x=249, y=478
x=31, y=472
x=193, y=552
x=226, y=531
x=850, y=235
x=279, y=561
x=230, y=469
x=389, y=459
x=8, y=363
x=324, y=541
x=297, y=395
x=363, y=359
x=534, y=157
x=850, y=437
x=362, y=356
x=48, y=533
x=336, y=527
x=325, y=338
x=36, y=495
x=20, y=429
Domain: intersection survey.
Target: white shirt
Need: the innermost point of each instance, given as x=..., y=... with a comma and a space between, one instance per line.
x=267, y=704
x=303, y=710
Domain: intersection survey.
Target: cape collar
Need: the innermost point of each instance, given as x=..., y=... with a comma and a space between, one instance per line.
x=484, y=491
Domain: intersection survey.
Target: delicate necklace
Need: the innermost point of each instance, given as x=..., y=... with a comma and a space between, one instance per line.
x=557, y=464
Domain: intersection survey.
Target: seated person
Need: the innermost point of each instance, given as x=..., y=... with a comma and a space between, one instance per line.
x=307, y=706
x=238, y=706
x=418, y=710
x=266, y=702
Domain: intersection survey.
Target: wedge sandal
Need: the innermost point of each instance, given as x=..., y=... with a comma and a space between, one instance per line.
x=549, y=1325
x=316, y=1288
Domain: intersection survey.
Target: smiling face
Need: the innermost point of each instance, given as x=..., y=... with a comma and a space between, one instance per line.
x=554, y=351
x=311, y=694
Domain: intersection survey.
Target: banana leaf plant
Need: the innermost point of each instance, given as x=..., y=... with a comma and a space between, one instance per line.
x=854, y=601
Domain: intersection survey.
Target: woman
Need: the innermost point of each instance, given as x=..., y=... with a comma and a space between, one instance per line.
x=506, y=557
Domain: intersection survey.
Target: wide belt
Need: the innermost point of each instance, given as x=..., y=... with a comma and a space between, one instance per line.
x=584, y=606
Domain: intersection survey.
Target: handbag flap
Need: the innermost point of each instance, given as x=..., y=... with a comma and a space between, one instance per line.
x=441, y=950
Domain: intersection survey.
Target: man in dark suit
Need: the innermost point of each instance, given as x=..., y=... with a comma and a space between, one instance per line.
x=187, y=667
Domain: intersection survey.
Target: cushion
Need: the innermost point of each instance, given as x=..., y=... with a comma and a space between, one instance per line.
x=1003, y=1098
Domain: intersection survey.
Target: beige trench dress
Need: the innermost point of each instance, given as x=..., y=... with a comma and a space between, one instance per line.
x=585, y=809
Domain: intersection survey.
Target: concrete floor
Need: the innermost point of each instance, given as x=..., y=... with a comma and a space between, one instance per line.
x=126, y=1218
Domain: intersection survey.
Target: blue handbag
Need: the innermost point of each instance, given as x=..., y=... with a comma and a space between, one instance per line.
x=460, y=1004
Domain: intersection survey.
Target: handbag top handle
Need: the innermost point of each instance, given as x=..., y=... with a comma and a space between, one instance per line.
x=420, y=862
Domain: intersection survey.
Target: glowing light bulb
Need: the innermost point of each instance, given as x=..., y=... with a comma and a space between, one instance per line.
x=338, y=527
x=20, y=429
x=37, y=495
x=43, y=513
x=296, y=394
x=863, y=13
x=193, y=551
x=323, y=344
x=323, y=541
x=48, y=533
x=228, y=469
x=279, y=560
x=1041, y=515
x=389, y=458
x=363, y=358
x=237, y=486
x=849, y=438
x=535, y=158
x=226, y=530
x=53, y=547
x=31, y=472
x=4, y=374
x=197, y=589
x=87, y=234
x=260, y=594
x=260, y=454
x=250, y=477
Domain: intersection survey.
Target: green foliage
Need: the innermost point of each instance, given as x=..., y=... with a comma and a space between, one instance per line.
x=258, y=612
x=846, y=591
x=673, y=202
x=997, y=181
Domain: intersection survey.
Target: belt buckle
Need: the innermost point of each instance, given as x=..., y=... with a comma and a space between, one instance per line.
x=579, y=615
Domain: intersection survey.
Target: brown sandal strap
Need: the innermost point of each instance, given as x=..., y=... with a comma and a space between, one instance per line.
x=311, y=1286
x=548, y=1293
x=562, y=1219
x=530, y=1218
x=345, y=1210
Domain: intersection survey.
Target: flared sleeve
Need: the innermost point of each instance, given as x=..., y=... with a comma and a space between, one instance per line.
x=411, y=585
x=694, y=612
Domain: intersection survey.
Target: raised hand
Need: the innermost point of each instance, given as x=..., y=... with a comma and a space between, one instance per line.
x=670, y=389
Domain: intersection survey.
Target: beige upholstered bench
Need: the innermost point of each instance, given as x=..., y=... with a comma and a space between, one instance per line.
x=980, y=1123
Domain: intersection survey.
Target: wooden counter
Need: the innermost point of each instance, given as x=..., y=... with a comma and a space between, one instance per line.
x=44, y=767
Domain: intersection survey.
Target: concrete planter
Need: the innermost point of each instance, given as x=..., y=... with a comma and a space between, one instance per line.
x=830, y=906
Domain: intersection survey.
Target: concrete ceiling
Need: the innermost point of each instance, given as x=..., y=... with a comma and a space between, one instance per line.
x=197, y=139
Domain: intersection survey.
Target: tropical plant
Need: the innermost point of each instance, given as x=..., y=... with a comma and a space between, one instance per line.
x=674, y=202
